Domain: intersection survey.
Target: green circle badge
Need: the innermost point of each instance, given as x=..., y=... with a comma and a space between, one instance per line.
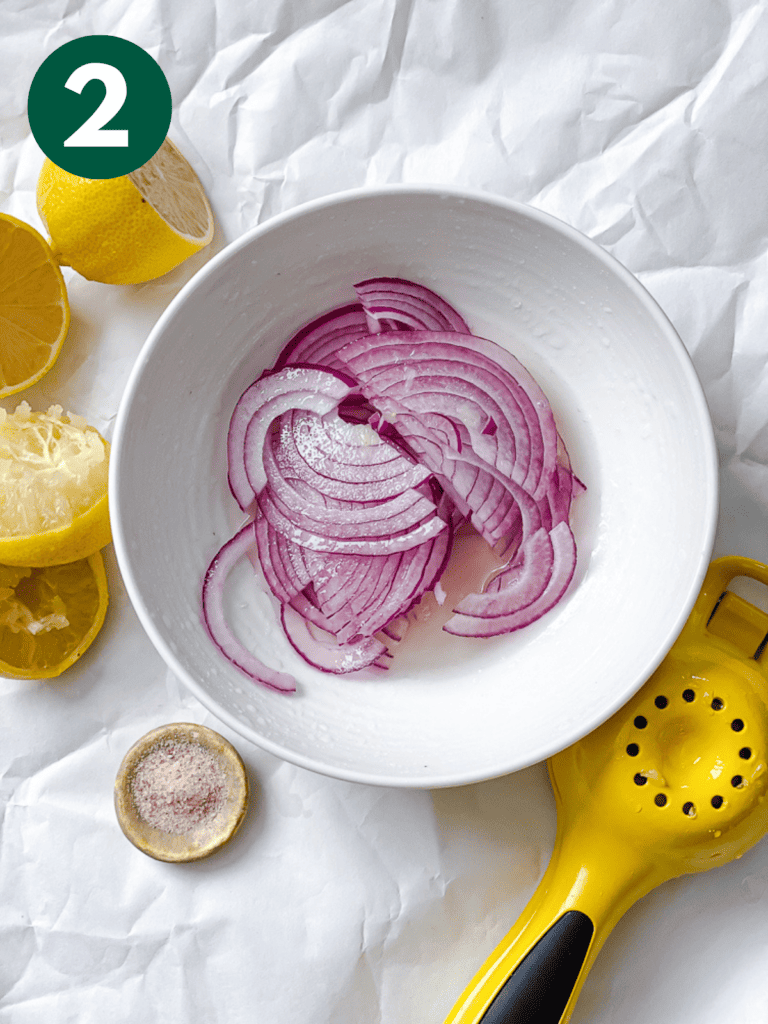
x=99, y=106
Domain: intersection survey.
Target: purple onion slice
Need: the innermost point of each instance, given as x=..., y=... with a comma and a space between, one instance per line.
x=389, y=300
x=215, y=619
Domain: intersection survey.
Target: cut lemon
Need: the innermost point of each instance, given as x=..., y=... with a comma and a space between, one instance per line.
x=34, y=311
x=54, y=471
x=129, y=229
x=50, y=616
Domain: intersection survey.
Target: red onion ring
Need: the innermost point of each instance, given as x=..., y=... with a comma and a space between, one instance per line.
x=272, y=394
x=392, y=300
x=216, y=621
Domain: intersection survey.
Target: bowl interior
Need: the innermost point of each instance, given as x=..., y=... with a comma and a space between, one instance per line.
x=628, y=405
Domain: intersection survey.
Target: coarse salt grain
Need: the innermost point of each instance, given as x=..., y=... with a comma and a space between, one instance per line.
x=178, y=787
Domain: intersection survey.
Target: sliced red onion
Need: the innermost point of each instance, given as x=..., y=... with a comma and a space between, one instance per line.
x=515, y=587
x=306, y=605
x=394, y=300
x=306, y=387
x=334, y=519
x=470, y=483
x=215, y=619
x=282, y=562
x=319, y=340
x=343, y=443
x=471, y=366
x=383, y=427
x=397, y=588
x=369, y=470
x=563, y=566
x=346, y=584
x=328, y=655
x=369, y=544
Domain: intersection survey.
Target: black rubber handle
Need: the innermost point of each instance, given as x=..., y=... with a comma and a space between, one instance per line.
x=538, y=990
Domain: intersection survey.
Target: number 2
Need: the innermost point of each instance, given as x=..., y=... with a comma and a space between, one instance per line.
x=92, y=132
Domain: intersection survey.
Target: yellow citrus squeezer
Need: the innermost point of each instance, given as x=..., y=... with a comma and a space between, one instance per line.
x=674, y=783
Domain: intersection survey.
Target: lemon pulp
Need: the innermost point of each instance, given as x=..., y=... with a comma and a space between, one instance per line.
x=50, y=616
x=54, y=471
x=34, y=309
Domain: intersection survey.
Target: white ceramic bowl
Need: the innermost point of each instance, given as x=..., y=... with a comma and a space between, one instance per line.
x=628, y=404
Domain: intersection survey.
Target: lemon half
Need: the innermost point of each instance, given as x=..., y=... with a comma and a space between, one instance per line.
x=54, y=471
x=34, y=310
x=50, y=616
x=129, y=229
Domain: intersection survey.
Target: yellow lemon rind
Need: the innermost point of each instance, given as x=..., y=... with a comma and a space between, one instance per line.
x=84, y=536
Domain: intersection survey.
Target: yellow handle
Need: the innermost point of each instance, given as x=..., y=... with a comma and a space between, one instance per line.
x=537, y=970
x=735, y=620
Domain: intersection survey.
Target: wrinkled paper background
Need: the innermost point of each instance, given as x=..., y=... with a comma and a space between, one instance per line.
x=640, y=122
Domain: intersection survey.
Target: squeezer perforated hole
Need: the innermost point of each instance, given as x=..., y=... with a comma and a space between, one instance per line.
x=745, y=753
x=717, y=704
x=640, y=780
x=689, y=808
x=689, y=696
x=737, y=780
x=633, y=750
x=640, y=722
x=737, y=725
x=661, y=702
x=660, y=800
x=717, y=801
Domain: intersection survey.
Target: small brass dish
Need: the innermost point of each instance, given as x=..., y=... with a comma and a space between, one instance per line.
x=213, y=824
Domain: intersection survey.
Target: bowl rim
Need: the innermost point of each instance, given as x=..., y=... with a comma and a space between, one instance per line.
x=710, y=457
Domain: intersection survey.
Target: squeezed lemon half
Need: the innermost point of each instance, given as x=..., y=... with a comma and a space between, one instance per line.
x=50, y=616
x=129, y=229
x=54, y=471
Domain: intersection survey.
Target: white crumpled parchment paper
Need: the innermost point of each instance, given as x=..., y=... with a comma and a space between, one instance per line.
x=640, y=122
